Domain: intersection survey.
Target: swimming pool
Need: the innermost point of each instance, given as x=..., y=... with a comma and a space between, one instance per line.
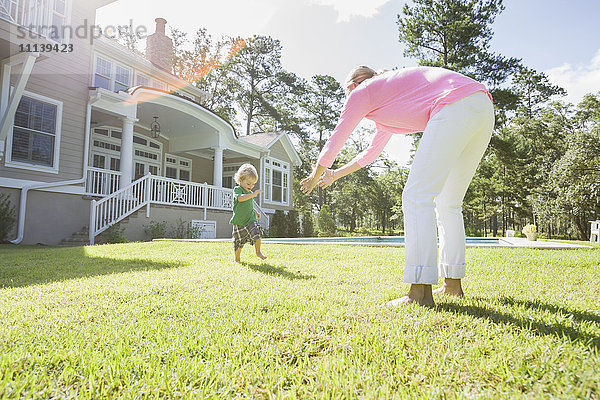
x=380, y=241
x=398, y=241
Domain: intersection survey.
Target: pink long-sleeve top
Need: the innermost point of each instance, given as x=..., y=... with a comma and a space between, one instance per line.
x=400, y=101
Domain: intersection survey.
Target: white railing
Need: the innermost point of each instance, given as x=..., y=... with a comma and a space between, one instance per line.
x=102, y=182
x=32, y=14
x=117, y=206
x=151, y=189
x=169, y=191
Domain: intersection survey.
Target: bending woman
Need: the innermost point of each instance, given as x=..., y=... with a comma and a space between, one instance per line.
x=456, y=115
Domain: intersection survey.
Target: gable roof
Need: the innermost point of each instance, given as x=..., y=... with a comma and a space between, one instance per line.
x=268, y=139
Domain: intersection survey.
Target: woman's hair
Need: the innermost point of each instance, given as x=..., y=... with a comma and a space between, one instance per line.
x=245, y=171
x=359, y=74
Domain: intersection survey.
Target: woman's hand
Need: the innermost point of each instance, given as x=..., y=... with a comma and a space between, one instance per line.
x=326, y=179
x=308, y=184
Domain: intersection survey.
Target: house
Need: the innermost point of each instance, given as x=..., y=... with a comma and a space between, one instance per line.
x=92, y=134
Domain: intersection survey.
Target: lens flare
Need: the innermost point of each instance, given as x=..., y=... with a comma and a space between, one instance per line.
x=198, y=71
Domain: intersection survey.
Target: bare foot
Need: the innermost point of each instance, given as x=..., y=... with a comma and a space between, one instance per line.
x=420, y=294
x=237, y=260
x=261, y=256
x=450, y=287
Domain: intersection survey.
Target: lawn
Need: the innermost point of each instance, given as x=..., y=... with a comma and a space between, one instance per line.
x=181, y=320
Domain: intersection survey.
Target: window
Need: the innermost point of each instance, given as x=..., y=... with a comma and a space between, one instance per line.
x=141, y=80
x=59, y=21
x=277, y=181
x=122, y=78
x=36, y=132
x=229, y=171
x=110, y=75
x=103, y=72
x=47, y=18
x=178, y=167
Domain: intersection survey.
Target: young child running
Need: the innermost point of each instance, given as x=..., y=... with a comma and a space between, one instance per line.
x=245, y=217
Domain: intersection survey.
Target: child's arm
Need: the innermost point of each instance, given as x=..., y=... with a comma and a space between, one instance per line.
x=248, y=196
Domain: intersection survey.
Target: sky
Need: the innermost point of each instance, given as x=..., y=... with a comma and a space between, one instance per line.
x=329, y=37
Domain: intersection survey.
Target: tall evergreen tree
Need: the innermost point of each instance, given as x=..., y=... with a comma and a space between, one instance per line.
x=455, y=34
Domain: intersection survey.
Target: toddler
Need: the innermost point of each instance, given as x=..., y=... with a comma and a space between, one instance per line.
x=245, y=217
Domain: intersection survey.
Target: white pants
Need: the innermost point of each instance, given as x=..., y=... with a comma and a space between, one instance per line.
x=448, y=154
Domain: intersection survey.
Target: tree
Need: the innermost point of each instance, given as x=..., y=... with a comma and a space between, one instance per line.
x=256, y=73
x=325, y=222
x=206, y=63
x=533, y=90
x=387, y=202
x=455, y=34
x=576, y=175
x=320, y=107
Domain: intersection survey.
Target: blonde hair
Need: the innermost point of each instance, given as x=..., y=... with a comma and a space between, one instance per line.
x=359, y=74
x=245, y=171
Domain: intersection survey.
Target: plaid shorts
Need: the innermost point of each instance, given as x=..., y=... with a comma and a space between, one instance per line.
x=243, y=234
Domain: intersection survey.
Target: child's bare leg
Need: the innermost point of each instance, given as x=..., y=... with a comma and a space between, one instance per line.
x=450, y=287
x=416, y=294
x=257, y=248
x=238, y=254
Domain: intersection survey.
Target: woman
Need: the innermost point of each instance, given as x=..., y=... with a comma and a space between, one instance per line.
x=456, y=115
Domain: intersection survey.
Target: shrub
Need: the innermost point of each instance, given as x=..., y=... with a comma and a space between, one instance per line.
x=7, y=217
x=325, y=222
x=529, y=228
x=181, y=230
x=293, y=224
x=278, y=227
x=308, y=224
x=156, y=230
x=114, y=234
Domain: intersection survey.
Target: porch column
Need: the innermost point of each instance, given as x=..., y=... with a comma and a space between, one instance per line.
x=218, y=167
x=127, y=152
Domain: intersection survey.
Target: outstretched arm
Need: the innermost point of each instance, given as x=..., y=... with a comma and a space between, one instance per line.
x=331, y=176
x=248, y=196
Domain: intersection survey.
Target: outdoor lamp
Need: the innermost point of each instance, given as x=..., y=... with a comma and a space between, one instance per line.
x=155, y=128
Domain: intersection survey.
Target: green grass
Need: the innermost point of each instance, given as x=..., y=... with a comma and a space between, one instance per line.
x=181, y=320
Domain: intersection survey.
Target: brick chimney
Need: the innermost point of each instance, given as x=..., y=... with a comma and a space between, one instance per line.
x=159, y=47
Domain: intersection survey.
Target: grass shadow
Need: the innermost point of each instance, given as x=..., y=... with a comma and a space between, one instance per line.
x=580, y=316
x=541, y=328
x=269, y=269
x=42, y=265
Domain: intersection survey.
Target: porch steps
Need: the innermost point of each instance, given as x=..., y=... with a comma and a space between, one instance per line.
x=81, y=238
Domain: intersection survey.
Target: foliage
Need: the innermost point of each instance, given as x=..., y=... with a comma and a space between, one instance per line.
x=325, y=222
x=181, y=230
x=308, y=224
x=156, y=230
x=292, y=224
x=7, y=217
x=114, y=234
x=278, y=226
x=576, y=179
x=455, y=34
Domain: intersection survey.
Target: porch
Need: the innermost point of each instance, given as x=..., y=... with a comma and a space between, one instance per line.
x=190, y=163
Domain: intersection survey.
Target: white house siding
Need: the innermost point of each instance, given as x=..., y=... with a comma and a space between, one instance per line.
x=63, y=77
